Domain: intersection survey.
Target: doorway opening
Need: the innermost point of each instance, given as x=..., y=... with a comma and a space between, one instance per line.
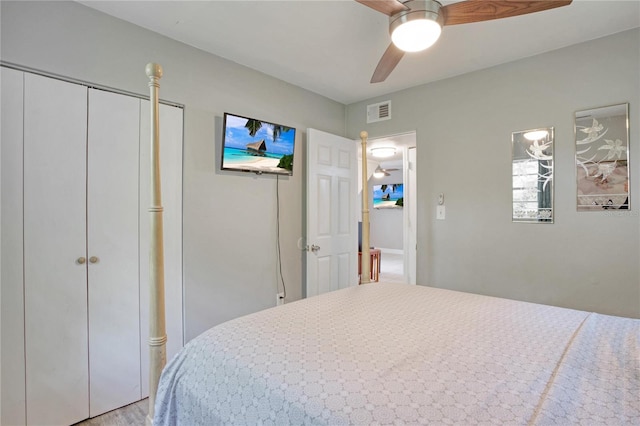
x=393, y=225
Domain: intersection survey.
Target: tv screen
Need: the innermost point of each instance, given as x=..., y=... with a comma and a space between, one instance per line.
x=251, y=145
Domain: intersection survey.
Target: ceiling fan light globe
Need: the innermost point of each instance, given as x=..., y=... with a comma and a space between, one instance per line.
x=416, y=35
x=417, y=27
x=378, y=175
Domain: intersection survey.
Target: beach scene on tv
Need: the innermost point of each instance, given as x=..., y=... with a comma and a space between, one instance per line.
x=388, y=196
x=252, y=145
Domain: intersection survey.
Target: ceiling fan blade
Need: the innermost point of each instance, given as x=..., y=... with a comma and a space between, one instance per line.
x=466, y=12
x=387, y=63
x=388, y=7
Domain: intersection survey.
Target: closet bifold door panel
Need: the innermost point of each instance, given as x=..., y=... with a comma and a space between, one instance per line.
x=112, y=251
x=55, y=257
x=12, y=311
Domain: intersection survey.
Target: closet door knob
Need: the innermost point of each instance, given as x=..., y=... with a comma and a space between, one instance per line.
x=93, y=259
x=81, y=261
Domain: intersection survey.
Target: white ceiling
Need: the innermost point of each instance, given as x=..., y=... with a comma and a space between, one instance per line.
x=331, y=47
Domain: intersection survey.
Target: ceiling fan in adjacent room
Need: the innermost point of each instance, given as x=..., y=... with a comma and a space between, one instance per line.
x=415, y=25
x=379, y=172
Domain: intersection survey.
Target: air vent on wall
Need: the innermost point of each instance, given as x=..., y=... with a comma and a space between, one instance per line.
x=379, y=112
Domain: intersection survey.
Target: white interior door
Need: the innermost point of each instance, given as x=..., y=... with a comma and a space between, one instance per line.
x=332, y=224
x=55, y=282
x=171, y=120
x=112, y=242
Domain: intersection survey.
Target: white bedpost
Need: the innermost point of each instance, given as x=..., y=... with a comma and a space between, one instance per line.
x=365, y=260
x=157, y=329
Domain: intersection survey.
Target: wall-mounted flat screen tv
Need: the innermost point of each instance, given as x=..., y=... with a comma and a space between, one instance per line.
x=251, y=145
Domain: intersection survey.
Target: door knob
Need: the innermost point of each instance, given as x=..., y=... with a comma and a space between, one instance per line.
x=93, y=259
x=314, y=248
x=81, y=260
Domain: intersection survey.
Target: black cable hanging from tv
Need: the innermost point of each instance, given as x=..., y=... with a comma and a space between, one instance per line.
x=284, y=288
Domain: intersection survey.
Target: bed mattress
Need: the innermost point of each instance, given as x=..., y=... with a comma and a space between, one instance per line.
x=397, y=354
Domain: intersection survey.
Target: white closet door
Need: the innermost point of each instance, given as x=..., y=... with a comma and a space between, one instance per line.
x=171, y=185
x=112, y=248
x=12, y=312
x=55, y=283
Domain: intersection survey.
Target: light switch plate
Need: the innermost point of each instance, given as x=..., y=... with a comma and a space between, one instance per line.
x=440, y=212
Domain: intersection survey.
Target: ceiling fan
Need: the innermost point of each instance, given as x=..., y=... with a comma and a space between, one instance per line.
x=379, y=172
x=415, y=25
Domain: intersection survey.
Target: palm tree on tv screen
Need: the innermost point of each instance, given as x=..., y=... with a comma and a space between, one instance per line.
x=254, y=125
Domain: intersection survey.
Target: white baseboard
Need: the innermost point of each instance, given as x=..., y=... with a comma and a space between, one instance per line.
x=392, y=251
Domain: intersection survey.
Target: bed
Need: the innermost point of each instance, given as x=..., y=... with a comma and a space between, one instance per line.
x=387, y=353
x=393, y=353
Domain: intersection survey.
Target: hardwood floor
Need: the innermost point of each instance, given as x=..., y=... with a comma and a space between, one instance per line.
x=130, y=415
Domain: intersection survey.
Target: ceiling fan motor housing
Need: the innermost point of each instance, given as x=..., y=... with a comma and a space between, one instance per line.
x=417, y=9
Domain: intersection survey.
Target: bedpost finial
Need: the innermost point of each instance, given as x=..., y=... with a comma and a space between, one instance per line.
x=153, y=70
x=364, y=134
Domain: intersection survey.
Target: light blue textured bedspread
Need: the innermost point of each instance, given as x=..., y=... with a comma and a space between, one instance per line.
x=399, y=354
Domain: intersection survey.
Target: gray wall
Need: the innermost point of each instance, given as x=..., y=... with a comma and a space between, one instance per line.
x=584, y=260
x=230, y=261
x=386, y=224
